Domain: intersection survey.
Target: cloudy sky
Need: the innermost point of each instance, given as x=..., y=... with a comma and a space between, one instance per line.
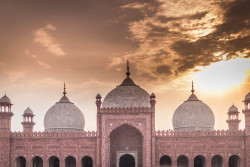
x=86, y=44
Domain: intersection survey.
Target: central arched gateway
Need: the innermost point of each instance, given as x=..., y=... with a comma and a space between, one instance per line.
x=126, y=143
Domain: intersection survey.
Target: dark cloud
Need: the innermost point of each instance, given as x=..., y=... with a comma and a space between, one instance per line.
x=198, y=15
x=226, y=38
x=164, y=69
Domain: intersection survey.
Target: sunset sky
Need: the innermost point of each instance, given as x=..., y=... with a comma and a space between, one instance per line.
x=86, y=43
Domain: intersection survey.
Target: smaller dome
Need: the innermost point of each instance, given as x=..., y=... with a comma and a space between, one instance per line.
x=5, y=99
x=233, y=109
x=247, y=97
x=98, y=96
x=28, y=111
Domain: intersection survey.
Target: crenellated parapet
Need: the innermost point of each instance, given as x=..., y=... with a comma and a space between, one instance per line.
x=46, y=134
x=126, y=110
x=191, y=133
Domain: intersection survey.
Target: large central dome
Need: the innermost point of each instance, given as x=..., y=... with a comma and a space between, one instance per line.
x=128, y=94
x=193, y=114
x=64, y=116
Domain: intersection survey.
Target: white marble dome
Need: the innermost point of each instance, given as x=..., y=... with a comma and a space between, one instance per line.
x=193, y=114
x=64, y=116
x=128, y=94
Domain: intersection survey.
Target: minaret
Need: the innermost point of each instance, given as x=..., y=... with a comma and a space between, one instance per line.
x=5, y=114
x=28, y=122
x=246, y=111
x=233, y=118
x=98, y=103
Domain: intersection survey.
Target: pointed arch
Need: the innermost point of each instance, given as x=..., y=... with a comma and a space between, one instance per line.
x=87, y=161
x=37, y=161
x=199, y=161
x=53, y=162
x=20, y=162
x=234, y=161
x=165, y=161
x=182, y=161
x=217, y=161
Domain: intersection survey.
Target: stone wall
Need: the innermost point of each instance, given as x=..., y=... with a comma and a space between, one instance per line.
x=48, y=144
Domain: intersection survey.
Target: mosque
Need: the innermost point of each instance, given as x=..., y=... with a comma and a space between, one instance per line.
x=125, y=135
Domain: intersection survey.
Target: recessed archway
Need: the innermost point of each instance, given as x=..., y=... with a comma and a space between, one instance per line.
x=53, y=161
x=217, y=161
x=165, y=161
x=20, y=162
x=37, y=161
x=199, y=161
x=234, y=161
x=126, y=139
x=127, y=160
x=70, y=161
x=182, y=161
x=87, y=161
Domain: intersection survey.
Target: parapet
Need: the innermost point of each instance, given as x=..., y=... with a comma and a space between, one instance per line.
x=172, y=133
x=54, y=134
x=126, y=110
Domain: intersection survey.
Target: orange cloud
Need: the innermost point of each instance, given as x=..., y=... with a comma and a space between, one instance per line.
x=43, y=37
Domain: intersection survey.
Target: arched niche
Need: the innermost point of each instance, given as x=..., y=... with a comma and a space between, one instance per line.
x=234, y=161
x=70, y=161
x=53, y=162
x=20, y=162
x=37, y=161
x=199, y=161
x=217, y=161
x=182, y=161
x=126, y=139
x=87, y=161
x=165, y=161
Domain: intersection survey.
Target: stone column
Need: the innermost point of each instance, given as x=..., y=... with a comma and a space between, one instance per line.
x=61, y=162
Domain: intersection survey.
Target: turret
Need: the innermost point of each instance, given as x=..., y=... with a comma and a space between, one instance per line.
x=246, y=111
x=28, y=122
x=5, y=114
x=98, y=102
x=233, y=118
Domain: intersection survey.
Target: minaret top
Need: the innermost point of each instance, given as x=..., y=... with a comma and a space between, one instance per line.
x=127, y=73
x=64, y=90
x=192, y=87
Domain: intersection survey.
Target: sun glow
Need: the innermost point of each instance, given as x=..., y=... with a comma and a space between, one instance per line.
x=223, y=75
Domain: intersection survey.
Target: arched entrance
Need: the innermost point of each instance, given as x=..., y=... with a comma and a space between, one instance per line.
x=127, y=160
x=70, y=162
x=37, y=161
x=234, y=161
x=20, y=162
x=217, y=161
x=53, y=161
x=182, y=161
x=165, y=161
x=125, y=140
x=87, y=161
x=199, y=161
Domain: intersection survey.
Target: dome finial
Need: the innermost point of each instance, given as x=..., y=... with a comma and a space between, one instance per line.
x=127, y=73
x=64, y=92
x=192, y=87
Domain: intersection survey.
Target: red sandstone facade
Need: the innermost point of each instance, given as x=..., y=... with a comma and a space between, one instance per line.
x=124, y=137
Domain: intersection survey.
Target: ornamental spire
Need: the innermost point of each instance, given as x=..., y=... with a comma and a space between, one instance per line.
x=64, y=90
x=192, y=87
x=127, y=73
